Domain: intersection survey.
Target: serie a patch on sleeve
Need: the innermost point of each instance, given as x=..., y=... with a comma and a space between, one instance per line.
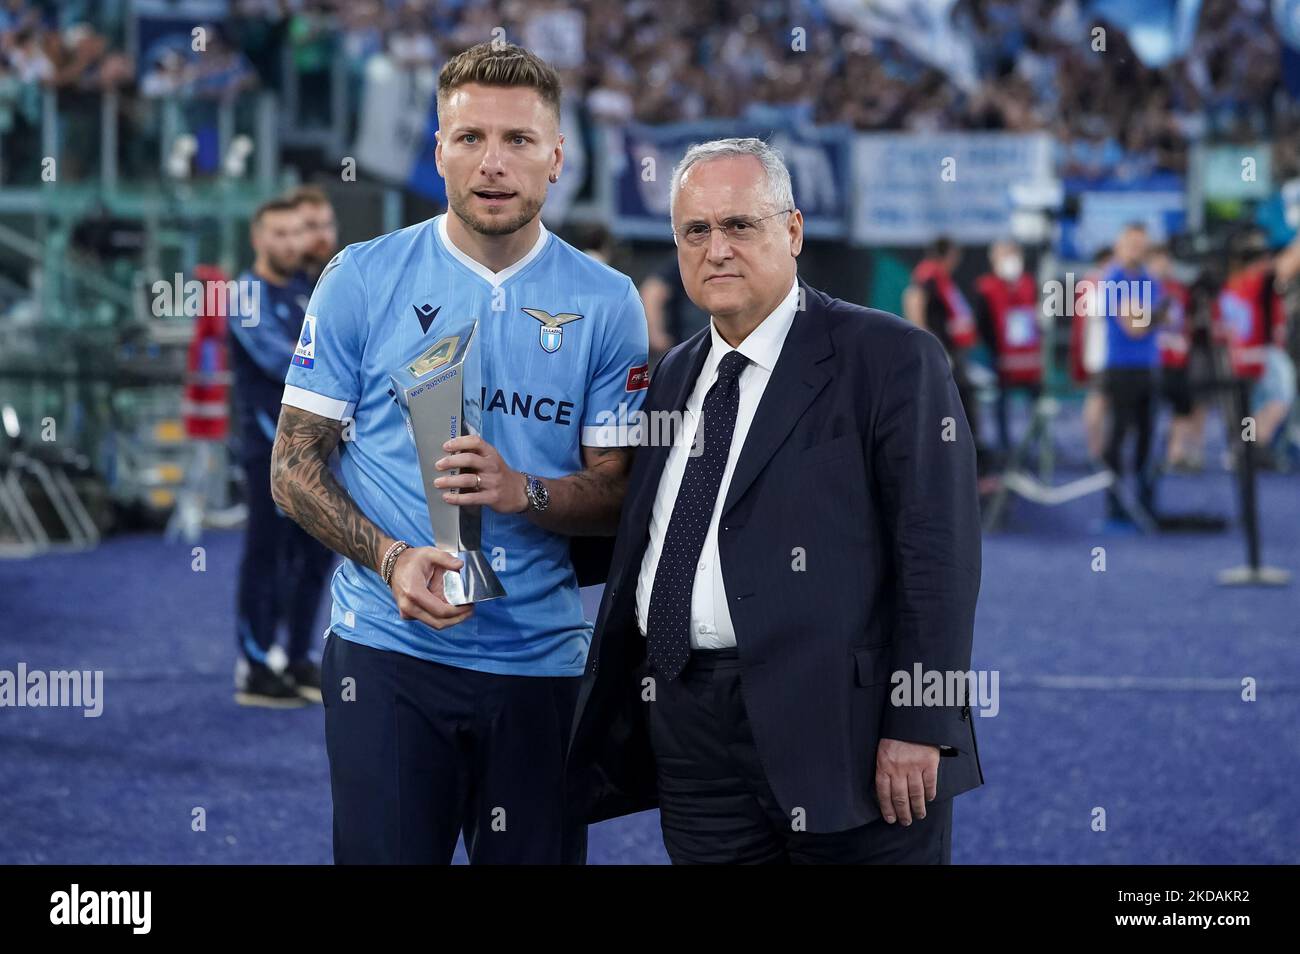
x=638, y=378
x=304, y=356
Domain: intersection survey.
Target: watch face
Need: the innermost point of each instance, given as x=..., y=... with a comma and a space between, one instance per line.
x=537, y=494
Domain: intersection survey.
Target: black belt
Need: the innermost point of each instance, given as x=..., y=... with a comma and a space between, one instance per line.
x=715, y=658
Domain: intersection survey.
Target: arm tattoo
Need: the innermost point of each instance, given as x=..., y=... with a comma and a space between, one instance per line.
x=589, y=502
x=305, y=489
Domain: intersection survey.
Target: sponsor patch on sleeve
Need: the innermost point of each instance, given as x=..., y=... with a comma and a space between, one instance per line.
x=638, y=378
x=304, y=356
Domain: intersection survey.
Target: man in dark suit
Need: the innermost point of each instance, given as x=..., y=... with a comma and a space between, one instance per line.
x=818, y=532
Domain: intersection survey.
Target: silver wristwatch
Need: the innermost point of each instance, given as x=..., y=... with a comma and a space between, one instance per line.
x=539, y=498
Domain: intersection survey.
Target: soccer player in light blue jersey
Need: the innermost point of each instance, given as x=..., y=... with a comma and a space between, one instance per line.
x=443, y=718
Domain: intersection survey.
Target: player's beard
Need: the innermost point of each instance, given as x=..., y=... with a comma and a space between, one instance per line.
x=284, y=265
x=494, y=226
x=316, y=258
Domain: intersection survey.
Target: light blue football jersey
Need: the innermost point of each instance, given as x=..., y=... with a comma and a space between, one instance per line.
x=548, y=389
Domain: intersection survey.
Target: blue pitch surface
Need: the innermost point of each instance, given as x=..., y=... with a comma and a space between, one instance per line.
x=1119, y=690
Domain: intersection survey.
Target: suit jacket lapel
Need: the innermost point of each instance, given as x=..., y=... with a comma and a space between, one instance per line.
x=676, y=393
x=795, y=382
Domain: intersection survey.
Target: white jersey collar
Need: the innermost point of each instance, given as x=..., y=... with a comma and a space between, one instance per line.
x=478, y=268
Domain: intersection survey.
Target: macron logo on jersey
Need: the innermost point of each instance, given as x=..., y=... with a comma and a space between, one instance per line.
x=304, y=356
x=426, y=313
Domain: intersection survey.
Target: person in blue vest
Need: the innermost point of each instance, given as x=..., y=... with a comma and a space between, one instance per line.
x=1130, y=299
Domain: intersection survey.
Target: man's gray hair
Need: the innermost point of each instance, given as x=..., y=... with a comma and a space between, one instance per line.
x=779, y=192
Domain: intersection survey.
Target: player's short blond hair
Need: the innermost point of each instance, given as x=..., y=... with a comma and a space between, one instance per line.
x=500, y=64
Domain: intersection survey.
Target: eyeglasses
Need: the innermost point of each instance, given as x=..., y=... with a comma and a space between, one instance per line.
x=738, y=228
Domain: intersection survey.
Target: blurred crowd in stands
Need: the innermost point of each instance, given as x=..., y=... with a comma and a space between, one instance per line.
x=989, y=64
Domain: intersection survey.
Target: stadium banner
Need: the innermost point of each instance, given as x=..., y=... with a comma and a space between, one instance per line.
x=642, y=158
x=160, y=26
x=1105, y=206
x=1231, y=173
x=1103, y=213
x=911, y=188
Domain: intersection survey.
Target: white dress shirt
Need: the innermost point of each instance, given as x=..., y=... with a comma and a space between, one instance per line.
x=711, y=626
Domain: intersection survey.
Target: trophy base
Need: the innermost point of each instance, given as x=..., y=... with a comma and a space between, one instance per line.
x=474, y=582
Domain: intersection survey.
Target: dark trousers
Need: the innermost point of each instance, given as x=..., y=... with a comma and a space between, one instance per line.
x=282, y=571
x=714, y=801
x=1131, y=395
x=419, y=751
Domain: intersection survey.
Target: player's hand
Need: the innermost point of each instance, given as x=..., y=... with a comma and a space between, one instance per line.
x=907, y=775
x=417, y=587
x=484, y=478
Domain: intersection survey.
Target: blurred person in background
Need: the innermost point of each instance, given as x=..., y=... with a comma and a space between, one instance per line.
x=27, y=56
x=669, y=311
x=1275, y=396
x=320, y=238
x=258, y=29
x=1185, y=450
x=1088, y=355
x=82, y=59
x=17, y=15
x=1127, y=296
x=1252, y=315
x=596, y=241
x=1288, y=278
x=168, y=75
x=1006, y=312
x=313, y=44
x=220, y=70
x=411, y=43
x=934, y=302
x=282, y=569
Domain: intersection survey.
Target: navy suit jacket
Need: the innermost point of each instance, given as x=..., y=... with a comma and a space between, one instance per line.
x=850, y=549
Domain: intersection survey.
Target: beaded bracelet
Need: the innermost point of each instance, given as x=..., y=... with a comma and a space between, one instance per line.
x=390, y=560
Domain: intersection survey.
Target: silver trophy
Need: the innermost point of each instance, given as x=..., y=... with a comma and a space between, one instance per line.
x=440, y=394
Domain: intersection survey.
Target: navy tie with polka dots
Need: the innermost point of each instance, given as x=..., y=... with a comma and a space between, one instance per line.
x=668, y=639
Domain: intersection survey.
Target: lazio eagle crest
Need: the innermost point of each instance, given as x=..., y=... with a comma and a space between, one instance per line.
x=551, y=334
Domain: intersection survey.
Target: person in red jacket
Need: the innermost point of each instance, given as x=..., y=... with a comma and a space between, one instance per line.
x=934, y=302
x=1007, y=313
x=1251, y=313
x=1185, y=449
